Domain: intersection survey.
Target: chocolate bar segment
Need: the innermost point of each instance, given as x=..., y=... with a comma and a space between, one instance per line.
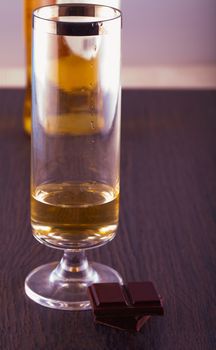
x=108, y=294
x=114, y=300
x=143, y=293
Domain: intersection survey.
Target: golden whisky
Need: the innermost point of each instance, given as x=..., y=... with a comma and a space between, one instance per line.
x=74, y=215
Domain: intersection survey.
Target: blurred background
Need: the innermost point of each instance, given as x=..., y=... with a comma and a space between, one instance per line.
x=165, y=43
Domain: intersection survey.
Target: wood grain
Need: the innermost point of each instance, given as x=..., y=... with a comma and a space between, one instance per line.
x=167, y=231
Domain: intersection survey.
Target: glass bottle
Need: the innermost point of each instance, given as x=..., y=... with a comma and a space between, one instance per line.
x=29, y=6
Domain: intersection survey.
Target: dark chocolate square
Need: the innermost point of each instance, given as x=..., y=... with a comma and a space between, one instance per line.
x=143, y=293
x=108, y=294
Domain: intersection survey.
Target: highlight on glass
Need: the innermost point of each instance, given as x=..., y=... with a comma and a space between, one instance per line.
x=75, y=147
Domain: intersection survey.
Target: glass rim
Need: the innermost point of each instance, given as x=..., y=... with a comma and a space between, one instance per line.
x=55, y=25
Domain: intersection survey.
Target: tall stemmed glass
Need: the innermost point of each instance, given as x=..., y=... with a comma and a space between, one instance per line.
x=75, y=147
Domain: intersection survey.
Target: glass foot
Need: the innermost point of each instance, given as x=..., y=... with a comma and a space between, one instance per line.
x=61, y=286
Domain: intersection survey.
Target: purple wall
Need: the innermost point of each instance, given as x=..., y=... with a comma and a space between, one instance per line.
x=155, y=32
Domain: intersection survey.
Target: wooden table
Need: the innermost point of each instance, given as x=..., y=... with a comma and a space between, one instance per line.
x=167, y=229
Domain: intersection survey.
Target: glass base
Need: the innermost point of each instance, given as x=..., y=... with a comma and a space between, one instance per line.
x=66, y=289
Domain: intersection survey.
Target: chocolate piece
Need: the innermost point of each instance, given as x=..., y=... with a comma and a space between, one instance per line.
x=143, y=293
x=124, y=306
x=113, y=300
x=104, y=296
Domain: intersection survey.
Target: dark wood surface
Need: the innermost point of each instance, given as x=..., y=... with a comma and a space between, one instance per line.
x=167, y=229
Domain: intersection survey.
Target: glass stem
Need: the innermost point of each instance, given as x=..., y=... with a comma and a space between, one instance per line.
x=74, y=266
